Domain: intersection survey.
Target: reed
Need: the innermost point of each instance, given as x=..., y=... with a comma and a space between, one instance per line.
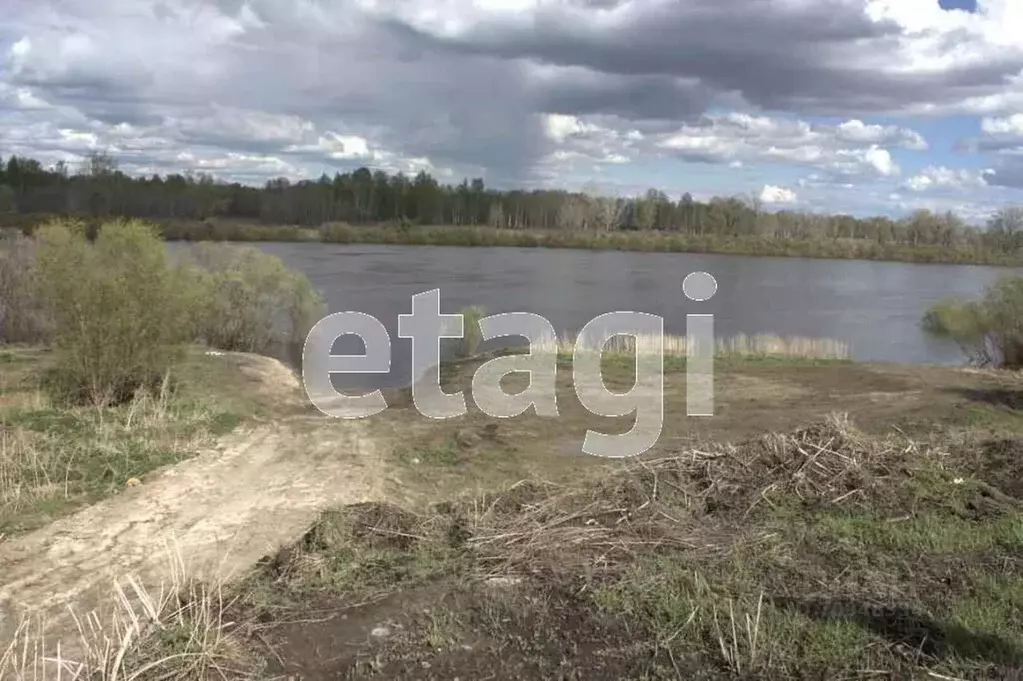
x=742, y=345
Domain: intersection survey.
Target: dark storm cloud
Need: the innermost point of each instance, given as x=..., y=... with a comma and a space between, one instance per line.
x=805, y=57
x=253, y=88
x=633, y=98
x=336, y=70
x=1008, y=173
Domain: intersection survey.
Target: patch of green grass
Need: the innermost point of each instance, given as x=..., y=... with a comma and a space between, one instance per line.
x=363, y=571
x=927, y=534
x=822, y=644
x=442, y=629
x=217, y=380
x=701, y=615
x=994, y=607
x=224, y=422
x=58, y=459
x=356, y=555
x=445, y=453
x=20, y=354
x=986, y=417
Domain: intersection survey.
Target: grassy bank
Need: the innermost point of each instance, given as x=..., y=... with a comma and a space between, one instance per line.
x=635, y=240
x=884, y=546
x=56, y=458
x=100, y=379
x=818, y=553
x=645, y=241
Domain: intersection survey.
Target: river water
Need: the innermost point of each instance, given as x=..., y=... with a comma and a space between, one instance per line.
x=875, y=307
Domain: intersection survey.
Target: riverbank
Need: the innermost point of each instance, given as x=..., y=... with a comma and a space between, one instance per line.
x=774, y=538
x=637, y=241
x=640, y=241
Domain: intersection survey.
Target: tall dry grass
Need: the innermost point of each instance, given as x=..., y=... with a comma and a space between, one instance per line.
x=57, y=458
x=742, y=345
x=176, y=630
x=21, y=318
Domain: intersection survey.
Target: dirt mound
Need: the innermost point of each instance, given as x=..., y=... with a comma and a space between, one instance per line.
x=270, y=379
x=829, y=462
x=511, y=576
x=669, y=503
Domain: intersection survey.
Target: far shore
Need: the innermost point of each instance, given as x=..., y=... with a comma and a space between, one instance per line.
x=649, y=241
x=636, y=241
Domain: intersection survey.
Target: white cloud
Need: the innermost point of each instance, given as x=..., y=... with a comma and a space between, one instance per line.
x=597, y=140
x=560, y=127
x=774, y=195
x=1010, y=125
x=847, y=149
x=940, y=177
x=859, y=132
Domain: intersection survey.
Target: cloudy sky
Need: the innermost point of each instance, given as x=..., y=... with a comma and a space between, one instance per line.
x=862, y=106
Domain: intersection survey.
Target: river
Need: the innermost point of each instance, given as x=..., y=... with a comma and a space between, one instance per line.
x=875, y=307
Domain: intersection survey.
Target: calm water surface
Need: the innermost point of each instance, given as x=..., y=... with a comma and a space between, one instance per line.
x=873, y=306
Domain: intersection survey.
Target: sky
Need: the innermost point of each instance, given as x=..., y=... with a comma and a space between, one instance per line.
x=853, y=106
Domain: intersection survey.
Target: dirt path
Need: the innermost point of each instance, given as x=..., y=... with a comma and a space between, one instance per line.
x=217, y=514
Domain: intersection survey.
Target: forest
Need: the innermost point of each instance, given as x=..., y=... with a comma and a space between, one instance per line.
x=99, y=189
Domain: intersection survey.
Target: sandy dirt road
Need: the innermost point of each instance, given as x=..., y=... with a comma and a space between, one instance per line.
x=214, y=515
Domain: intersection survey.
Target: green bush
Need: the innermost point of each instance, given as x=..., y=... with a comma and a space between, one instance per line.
x=990, y=330
x=248, y=301
x=119, y=311
x=471, y=334
x=337, y=233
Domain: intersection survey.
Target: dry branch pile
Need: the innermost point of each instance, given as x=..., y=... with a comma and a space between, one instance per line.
x=675, y=502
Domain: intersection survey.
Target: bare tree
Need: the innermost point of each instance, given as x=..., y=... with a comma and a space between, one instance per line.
x=1005, y=228
x=99, y=164
x=574, y=213
x=606, y=210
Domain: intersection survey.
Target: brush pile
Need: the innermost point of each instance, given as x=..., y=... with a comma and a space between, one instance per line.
x=697, y=500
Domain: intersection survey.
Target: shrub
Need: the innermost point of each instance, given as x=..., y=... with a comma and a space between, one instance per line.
x=471, y=334
x=338, y=233
x=989, y=330
x=119, y=310
x=248, y=301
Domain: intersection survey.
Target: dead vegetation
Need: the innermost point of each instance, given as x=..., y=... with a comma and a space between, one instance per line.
x=820, y=553
x=178, y=630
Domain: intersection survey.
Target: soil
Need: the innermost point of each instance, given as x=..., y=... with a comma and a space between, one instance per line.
x=211, y=517
x=216, y=515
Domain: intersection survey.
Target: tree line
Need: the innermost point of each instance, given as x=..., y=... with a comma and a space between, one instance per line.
x=363, y=197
